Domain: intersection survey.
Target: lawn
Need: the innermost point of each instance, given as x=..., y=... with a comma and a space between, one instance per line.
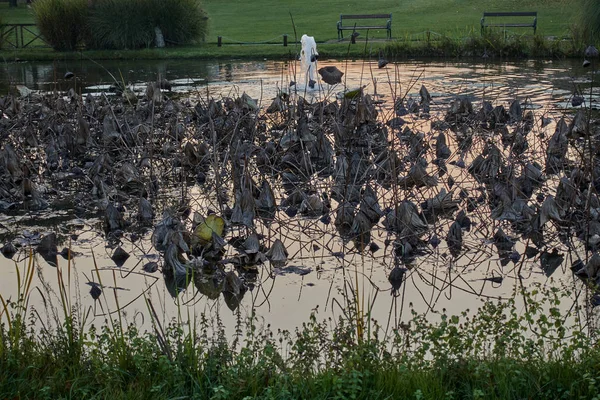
x=246, y=27
x=241, y=21
x=19, y=15
x=263, y=20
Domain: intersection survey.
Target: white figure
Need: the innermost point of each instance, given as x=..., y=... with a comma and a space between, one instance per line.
x=309, y=57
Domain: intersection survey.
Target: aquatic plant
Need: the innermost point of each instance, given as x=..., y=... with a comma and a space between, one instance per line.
x=307, y=163
x=276, y=180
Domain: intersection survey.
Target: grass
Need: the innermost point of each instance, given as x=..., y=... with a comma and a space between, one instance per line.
x=16, y=15
x=246, y=21
x=590, y=19
x=207, y=51
x=266, y=21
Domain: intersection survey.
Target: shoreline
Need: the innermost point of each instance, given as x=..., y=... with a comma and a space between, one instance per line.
x=471, y=49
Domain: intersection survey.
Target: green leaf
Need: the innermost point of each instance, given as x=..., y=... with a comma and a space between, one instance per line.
x=212, y=223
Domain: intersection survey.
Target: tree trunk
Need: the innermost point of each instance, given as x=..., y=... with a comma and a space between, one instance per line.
x=12, y=3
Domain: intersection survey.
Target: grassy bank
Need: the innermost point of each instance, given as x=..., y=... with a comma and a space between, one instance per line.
x=431, y=28
x=488, y=355
x=206, y=52
x=500, y=351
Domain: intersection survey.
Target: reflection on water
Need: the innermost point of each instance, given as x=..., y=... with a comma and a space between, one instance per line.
x=90, y=75
x=324, y=267
x=543, y=82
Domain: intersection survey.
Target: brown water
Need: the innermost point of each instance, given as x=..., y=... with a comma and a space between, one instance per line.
x=331, y=268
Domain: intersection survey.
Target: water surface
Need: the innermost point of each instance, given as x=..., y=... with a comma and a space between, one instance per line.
x=324, y=271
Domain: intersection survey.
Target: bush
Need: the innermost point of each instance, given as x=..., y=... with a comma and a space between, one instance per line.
x=121, y=24
x=130, y=24
x=589, y=20
x=63, y=23
x=181, y=21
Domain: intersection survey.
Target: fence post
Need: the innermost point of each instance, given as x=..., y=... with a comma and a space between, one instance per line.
x=219, y=41
x=285, y=37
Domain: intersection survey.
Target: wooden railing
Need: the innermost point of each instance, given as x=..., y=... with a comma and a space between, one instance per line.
x=20, y=36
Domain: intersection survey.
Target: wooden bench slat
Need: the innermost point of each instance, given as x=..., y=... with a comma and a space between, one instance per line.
x=366, y=16
x=510, y=14
x=349, y=28
x=511, y=24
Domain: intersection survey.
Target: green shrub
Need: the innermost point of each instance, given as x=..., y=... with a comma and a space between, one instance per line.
x=130, y=24
x=63, y=23
x=121, y=24
x=181, y=21
x=589, y=20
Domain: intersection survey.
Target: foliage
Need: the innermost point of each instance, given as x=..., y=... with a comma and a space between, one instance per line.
x=63, y=23
x=121, y=24
x=181, y=21
x=130, y=24
x=497, y=352
x=589, y=20
x=493, y=44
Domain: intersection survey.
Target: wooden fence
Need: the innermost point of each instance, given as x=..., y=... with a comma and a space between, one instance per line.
x=19, y=36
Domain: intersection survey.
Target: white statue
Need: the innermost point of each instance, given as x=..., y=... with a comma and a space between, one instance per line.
x=308, y=58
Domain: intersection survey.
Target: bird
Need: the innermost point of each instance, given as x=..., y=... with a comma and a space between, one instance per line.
x=396, y=277
x=382, y=61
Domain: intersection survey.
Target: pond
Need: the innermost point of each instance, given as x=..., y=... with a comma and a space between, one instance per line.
x=363, y=187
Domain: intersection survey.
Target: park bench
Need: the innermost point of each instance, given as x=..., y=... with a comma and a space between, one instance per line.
x=505, y=24
x=354, y=26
